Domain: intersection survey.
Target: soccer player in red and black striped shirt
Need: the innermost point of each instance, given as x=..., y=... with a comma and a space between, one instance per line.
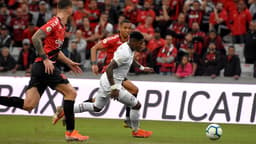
x=48, y=41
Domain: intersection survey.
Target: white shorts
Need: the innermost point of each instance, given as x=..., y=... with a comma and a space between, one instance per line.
x=103, y=95
x=104, y=83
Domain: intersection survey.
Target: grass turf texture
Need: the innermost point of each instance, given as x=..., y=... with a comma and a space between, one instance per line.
x=39, y=130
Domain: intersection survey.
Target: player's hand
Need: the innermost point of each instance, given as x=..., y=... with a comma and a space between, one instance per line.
x=148, y=69
x=75, y=67
x=114, y=94
x=95, y=69
x=48, y=66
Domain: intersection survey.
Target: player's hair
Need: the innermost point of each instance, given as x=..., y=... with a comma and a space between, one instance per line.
x=62, y=4
x=124, y=21
x=135, y=35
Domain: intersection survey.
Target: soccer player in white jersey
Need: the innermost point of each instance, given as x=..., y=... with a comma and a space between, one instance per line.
x=111, y=83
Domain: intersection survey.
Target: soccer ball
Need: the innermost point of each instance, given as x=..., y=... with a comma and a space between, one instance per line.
x=213, y=131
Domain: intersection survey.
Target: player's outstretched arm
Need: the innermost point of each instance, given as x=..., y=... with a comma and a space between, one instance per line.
x=141, y=67
x=38, y=44
x=94, y=49
x=72, y=65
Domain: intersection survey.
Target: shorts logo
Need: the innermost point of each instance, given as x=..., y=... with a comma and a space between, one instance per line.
x=48, y=29
x=63, y=76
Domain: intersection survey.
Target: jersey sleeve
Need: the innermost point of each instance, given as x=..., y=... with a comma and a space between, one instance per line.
x=49, y=26
x=121, y=57
x=109, y=41
x=105, y=43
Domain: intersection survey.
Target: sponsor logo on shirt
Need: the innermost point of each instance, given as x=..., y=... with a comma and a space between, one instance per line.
x=55, y=23
x=58, y=43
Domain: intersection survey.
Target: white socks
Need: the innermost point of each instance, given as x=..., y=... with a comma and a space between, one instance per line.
x=134, y=118
x=83, y=107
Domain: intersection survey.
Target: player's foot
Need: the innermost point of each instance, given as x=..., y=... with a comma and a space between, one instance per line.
x=127, y=124
x=58, y=115
x=142, y=133
x=75, y=136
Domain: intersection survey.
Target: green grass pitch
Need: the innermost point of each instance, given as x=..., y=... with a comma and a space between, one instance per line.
x=39, y=130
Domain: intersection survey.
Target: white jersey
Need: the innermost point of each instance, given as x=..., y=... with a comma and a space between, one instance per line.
x=123, y=56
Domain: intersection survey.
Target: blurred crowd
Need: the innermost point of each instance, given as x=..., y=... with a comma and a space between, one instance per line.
x=182, y=37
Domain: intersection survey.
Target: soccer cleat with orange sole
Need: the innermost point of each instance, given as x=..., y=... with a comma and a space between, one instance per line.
x=142, y=133
x=58, y=115
x=75, y=136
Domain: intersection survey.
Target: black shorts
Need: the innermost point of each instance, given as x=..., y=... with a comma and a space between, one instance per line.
x=41, y=80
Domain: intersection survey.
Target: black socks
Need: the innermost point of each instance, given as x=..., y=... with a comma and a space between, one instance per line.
x=69, y=114
x=12, y=101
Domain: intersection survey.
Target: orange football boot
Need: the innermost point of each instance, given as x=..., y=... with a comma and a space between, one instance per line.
x=58, y=115
x=142, y=133
x=75, y=136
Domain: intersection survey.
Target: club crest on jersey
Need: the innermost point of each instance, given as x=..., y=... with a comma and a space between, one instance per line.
x=48, y=29
x=104, y=41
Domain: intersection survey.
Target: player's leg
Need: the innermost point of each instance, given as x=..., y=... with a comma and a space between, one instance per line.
x=133, y=89
x=129, y=100
x=59, y=82
x=33, y=93
x=31, y=100
x=130, y=87
x=97, y=105
x=12, y=101
x=69, y=94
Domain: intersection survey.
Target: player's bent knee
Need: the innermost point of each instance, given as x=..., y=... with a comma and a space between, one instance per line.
x=137, y=107
x=96, y=109
x=135, y=91
x=29, y=104
x=28, y=107
x=71, y=94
